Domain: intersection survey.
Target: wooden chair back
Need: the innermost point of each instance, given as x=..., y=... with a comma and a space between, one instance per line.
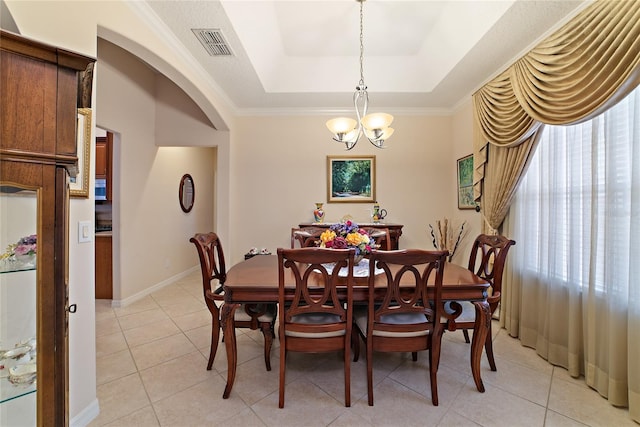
x=381, y=237
x=312, y=316
x=487, y=259
x=305, y=237
x=254, y=316
x=404, y=317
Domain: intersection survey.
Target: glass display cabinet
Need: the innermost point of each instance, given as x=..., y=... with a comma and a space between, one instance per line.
x=41, y=88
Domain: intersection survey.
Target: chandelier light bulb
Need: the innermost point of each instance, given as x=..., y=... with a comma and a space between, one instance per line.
x=377, y=121
x=341, y=125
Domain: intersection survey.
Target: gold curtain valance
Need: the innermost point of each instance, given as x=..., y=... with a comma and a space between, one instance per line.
x=580, y=71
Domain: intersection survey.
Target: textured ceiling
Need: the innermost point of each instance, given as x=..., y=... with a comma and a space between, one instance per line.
x=303, y=55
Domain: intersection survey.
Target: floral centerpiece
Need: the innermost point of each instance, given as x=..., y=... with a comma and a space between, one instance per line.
x=24, y=251
x=346, y=235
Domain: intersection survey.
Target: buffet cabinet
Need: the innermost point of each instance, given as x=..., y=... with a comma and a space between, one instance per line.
x=41, y=88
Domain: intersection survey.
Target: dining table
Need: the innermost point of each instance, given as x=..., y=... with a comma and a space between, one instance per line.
x=255, y=281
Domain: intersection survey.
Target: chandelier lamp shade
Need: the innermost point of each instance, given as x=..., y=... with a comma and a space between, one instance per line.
x=375, y=126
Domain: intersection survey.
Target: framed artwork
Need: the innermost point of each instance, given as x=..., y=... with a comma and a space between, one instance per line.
x=79, y=185
x=351, y=179
x=465, y=183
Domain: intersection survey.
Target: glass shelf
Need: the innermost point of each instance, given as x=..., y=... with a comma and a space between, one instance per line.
x=9, y=391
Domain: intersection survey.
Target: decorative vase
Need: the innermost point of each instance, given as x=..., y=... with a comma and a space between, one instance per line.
x=357, y=259
x=318, y=213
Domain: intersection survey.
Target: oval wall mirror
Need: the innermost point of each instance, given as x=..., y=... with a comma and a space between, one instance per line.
x=186, y=193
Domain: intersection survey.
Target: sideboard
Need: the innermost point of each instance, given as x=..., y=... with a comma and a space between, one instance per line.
x=395, y=230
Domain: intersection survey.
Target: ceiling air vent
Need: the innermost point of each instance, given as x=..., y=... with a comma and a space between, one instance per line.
x=213, y=41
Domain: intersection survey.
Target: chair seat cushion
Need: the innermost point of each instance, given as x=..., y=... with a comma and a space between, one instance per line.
x=468, y=311
x=360, y=315
x=268, y=316
x=315, y=319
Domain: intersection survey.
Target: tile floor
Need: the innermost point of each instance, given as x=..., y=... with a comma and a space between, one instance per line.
x=151, y=371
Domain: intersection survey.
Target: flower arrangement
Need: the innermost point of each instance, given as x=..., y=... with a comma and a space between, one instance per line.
x=26, y=246
x=345, y=235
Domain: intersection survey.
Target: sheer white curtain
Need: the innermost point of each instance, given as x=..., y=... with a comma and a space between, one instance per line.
x=576, y=219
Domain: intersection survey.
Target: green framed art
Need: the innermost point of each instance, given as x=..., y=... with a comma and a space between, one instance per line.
x=465, y=183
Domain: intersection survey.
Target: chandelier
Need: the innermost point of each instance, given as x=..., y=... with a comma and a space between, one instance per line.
x=375, y=126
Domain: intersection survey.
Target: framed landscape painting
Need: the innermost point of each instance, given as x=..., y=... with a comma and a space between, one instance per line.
x=465, y=183
x=351, y=179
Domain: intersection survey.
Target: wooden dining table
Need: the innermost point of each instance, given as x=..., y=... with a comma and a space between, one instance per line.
x=255, y=281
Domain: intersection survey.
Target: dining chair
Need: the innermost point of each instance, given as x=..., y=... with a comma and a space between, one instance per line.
x=305, y=237
x=253, y=316
x=381, y=237
x=313, y=319
x=404, y=318
x=489, y=253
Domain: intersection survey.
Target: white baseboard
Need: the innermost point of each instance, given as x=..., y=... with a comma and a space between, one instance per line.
x=133, y=298
x=87, y=415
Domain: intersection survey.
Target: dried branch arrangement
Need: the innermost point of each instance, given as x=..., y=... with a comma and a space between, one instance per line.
x=446, y=236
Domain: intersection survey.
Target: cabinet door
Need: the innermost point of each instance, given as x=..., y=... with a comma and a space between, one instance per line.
x=101, y=158
x=18, y=305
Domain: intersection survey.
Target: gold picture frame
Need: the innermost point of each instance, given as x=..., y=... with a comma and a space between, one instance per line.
x=79, y=185
x=351, y=179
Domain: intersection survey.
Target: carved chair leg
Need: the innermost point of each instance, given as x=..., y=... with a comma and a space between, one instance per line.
x=355, y=343
x=267, y=332
x=215, y=336
x=465, y=332
x=414, y=356
x=488, y=347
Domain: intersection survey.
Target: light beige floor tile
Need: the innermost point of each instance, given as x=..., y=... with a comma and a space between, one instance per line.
x=107, y=326
x=185, y=306
x=395, y=404
x=113, y=366
x=176, y=375
x=415, y=375
x=453, y=419
x=144, y=417
x=150, y=332
x=297, y=411
x=554, y=419
x=162, y=350
x=201, y=337
x=142, y=318
x=110, y=343
x=143, y=304
x=200, y=405
x=511, y=348
x=585, y=405
x=247, y=349
x=349, y=419
x=506, y=409
x=170, y=295
x=253, y=381
x=520, y=380
x=193, y=320
x=121, y=397
x=104, y=310
x=246, y=418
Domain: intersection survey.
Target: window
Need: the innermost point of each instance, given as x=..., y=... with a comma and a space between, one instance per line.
x=578, y=206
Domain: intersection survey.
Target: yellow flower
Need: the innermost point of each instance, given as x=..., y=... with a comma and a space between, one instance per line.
x=327, y=236
x=354, y=239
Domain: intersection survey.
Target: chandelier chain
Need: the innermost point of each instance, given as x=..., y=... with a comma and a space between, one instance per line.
x=361, y=46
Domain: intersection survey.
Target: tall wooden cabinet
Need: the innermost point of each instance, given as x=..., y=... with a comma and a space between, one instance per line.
x=40, y=89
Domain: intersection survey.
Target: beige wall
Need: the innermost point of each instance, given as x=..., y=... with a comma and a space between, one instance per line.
x=153, y=231
x=280, y=171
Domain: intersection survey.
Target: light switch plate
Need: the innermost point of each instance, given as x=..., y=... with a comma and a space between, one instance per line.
x=84, y=231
